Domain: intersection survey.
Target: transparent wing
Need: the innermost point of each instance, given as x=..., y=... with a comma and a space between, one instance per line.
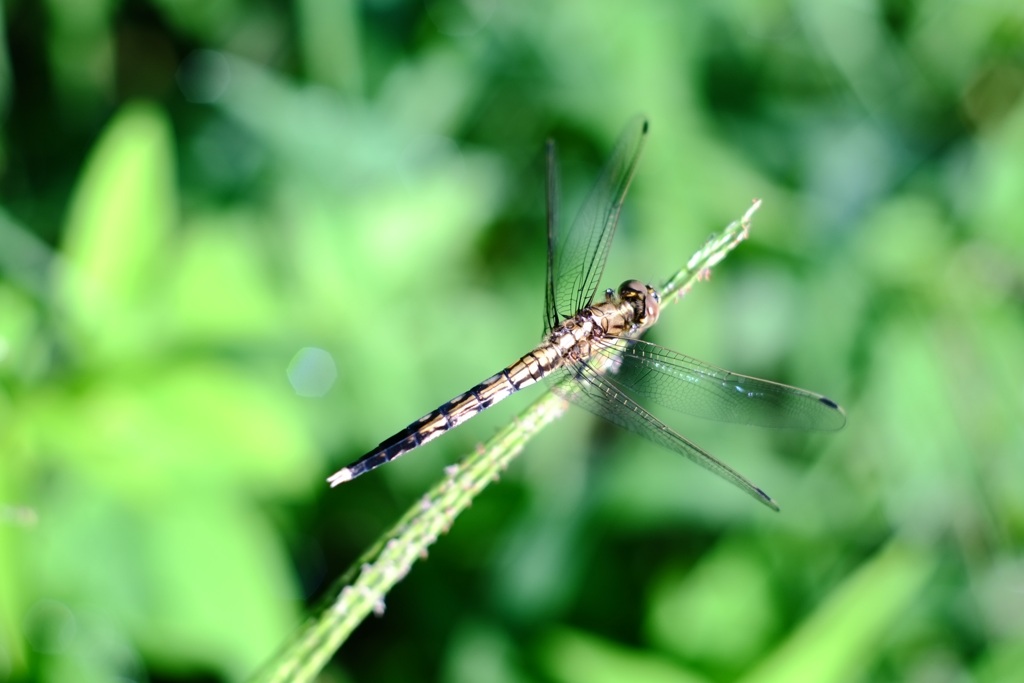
x=576, y=256
x=551, y=317
x=599, y=394
x=690, y=386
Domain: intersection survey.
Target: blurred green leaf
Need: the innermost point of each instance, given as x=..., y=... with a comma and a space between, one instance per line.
x=329, y=38
x=481, y=652
x=840, y=641
x=189, y=576
x=572, y=657
x=219, y=292
x=720, y=614
x=117, y=237
x=20, y=354
x=212, y=566
x=1002, y=664
x=196, y=424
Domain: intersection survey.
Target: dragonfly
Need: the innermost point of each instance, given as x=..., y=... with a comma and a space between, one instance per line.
x=592, y=356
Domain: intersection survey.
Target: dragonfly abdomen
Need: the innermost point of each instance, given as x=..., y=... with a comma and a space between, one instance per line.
x=524, y=372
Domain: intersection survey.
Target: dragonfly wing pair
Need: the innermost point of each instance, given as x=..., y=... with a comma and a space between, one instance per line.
x=623, y=369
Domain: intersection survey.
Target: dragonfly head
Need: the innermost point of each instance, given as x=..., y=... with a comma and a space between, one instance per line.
x=644, y=299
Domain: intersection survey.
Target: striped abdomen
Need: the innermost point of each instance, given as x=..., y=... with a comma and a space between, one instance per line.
x=524, y=372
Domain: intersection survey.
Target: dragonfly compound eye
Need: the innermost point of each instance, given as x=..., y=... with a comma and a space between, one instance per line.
x=642, y=298
x=653, y=305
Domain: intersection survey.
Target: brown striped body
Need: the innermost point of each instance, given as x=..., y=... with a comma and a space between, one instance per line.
x=634, y=308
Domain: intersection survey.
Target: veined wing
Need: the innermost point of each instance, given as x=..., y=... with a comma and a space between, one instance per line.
x=690, y=386
x=583, y=385
x=576, y=257
x=551, y=317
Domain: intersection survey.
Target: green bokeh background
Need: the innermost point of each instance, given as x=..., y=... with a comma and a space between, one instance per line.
x=191, y=193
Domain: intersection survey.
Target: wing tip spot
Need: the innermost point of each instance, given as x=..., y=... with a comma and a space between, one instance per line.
x=830, y=403
x=768, y=500
x=839, y=412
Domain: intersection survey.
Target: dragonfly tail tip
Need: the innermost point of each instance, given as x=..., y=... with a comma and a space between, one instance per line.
x=340, y=477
